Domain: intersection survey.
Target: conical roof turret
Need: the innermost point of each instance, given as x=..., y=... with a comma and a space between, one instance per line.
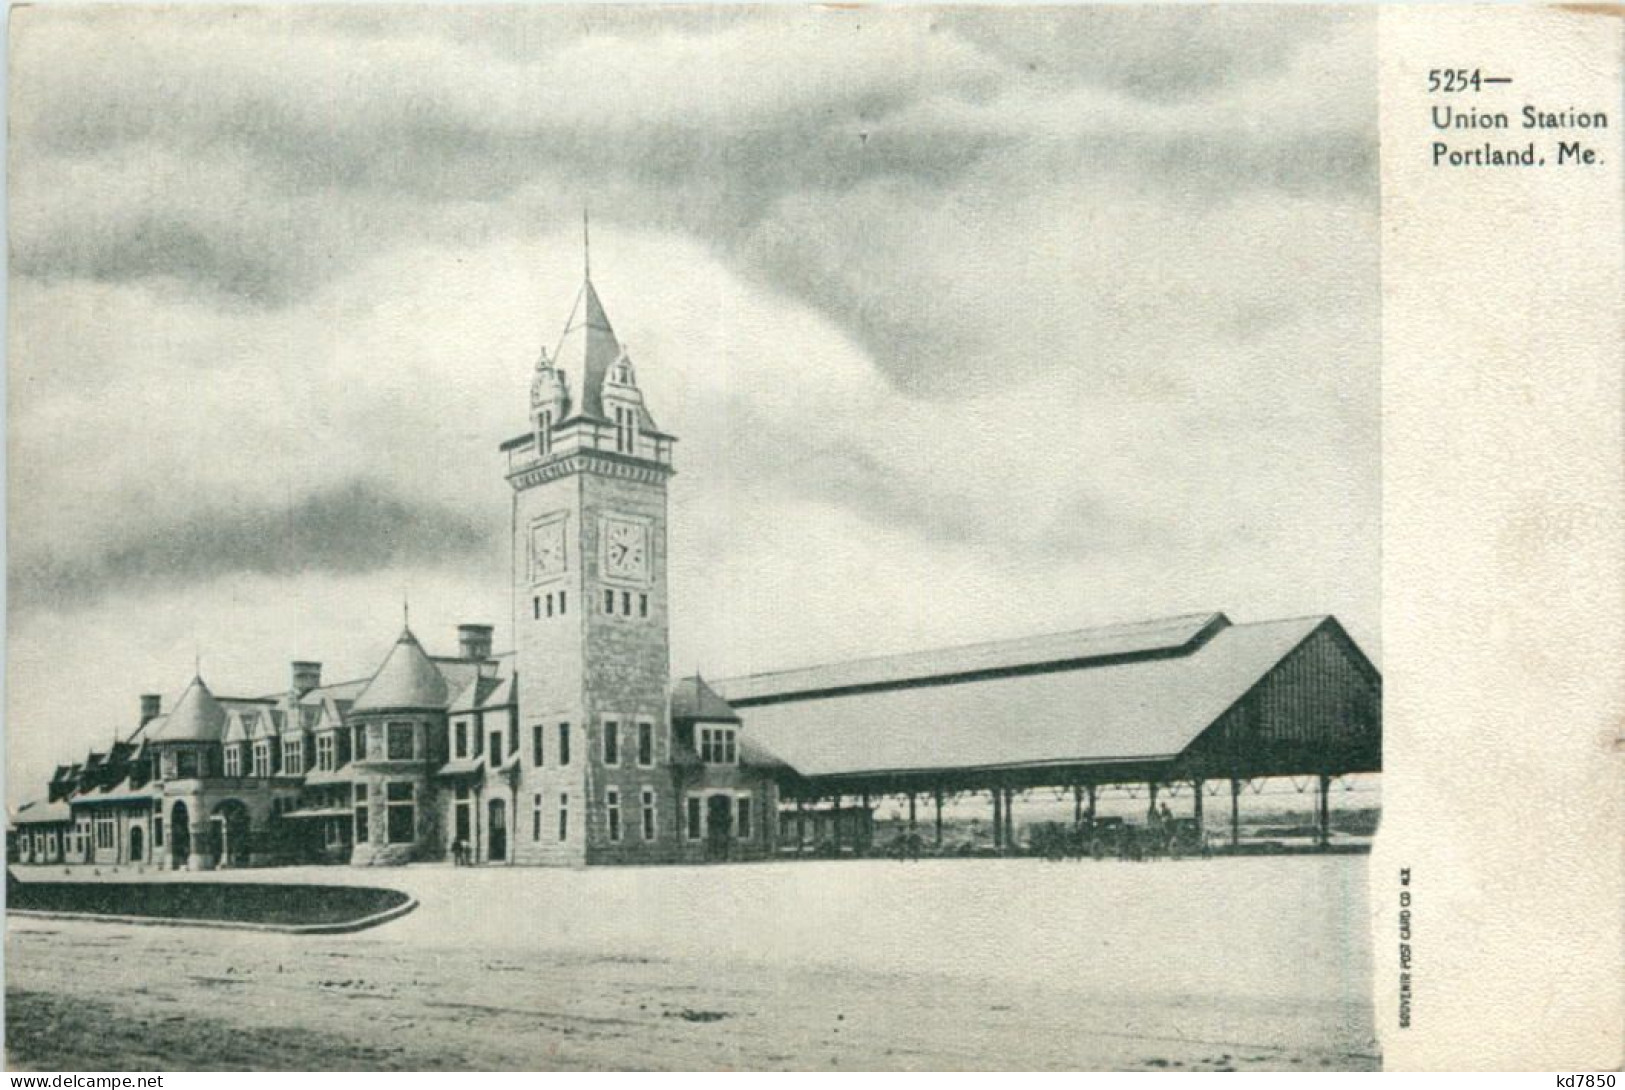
x=406, y=680
x=198, y=717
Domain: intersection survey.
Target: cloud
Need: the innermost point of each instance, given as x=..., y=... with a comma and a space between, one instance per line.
x=356, y=528
x=246, y=162
x=971, y=322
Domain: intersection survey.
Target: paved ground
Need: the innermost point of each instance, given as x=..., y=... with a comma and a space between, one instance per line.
x=952, y=964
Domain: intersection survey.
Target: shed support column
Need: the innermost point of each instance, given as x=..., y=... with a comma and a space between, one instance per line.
x=835, y=825
x=1010, y=820
x=1091, y=804
x=1197, y=813
x=1325, y=810
x=1077, y=806
x=998, y=819
x=1235, y=813
x=865, y=832
x=911, y=813
x=801, y=825
x=1151, y=806
x=939, y=818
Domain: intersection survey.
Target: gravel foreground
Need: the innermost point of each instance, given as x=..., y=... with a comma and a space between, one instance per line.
x=516, y=985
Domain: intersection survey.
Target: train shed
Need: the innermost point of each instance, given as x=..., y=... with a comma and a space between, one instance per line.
x=1187, y=700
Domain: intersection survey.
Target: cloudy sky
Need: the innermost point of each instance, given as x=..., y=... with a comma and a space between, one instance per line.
x=972, y=323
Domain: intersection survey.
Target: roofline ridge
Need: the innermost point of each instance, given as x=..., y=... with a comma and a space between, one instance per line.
x=976, y=645
x=1286, y=620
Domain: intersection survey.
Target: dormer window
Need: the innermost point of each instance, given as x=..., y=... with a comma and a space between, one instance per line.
x=626, y=429
x=718, y=746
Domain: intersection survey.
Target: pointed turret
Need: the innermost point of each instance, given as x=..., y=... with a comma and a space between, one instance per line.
x=600, y=352
x=406, y=680
x=197, y=718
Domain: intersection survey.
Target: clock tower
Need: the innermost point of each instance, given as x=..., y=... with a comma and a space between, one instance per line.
x=591, y=778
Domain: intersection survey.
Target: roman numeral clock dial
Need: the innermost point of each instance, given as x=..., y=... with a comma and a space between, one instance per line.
x=626, y=550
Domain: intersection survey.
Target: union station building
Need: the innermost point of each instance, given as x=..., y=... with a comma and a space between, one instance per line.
x=579, y=747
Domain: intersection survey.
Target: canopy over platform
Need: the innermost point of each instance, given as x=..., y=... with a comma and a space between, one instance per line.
x=1190, y=698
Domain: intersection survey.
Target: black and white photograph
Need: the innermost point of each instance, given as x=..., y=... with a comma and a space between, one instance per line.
x=693, y=538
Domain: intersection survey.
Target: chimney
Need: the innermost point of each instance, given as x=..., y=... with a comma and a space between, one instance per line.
x=152, y=706
x=474, y=641
x=306, y=676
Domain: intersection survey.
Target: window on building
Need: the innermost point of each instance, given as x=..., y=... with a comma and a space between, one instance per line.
x=496, y=748
x=186, y=764
x=744, y=818
x=358, y=747
x=293, y=756
x=536, y=818
x=564, y=816
x=643, y=605
x=717, y=746
x=612, y=742
x=327, y=747
x=609, y=601
x=626, y=603
x=646, y=743
x=692, y=824
x=563, y=603
x=401, y=741
x=401, y=808
x=544, y=432
x=550, y=605
x=106, y=833
x=234, y=760
x=536, y=734
x=335, y=832
x=612, y=810
x=536, y=608
x=262, y=758
x=461, y=739
x=361, y=834
x=564, y=743
x=157, y=833
x=648, y=800
x=626, y=429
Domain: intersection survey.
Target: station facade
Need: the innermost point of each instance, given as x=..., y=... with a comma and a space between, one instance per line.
x=579, y=747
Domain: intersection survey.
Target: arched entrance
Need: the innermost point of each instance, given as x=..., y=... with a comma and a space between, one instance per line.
x=180, y=834
x=137, y=844
x=718, y=826
x=497, y=831
x=231, y=831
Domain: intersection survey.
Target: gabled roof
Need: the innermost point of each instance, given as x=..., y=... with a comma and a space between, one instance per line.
x=1032, y=654
x=406, y=680
x=266, y=723
x=151, y=729
x=505, y=695
x=237, y=727
x=1147, y=708
x=197, y=717
x=696, y=702
x=40, y=812
x=332, y=714
x=474, y=694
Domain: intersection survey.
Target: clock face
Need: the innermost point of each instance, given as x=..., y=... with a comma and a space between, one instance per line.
x=547, y=556
x=626, y=549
